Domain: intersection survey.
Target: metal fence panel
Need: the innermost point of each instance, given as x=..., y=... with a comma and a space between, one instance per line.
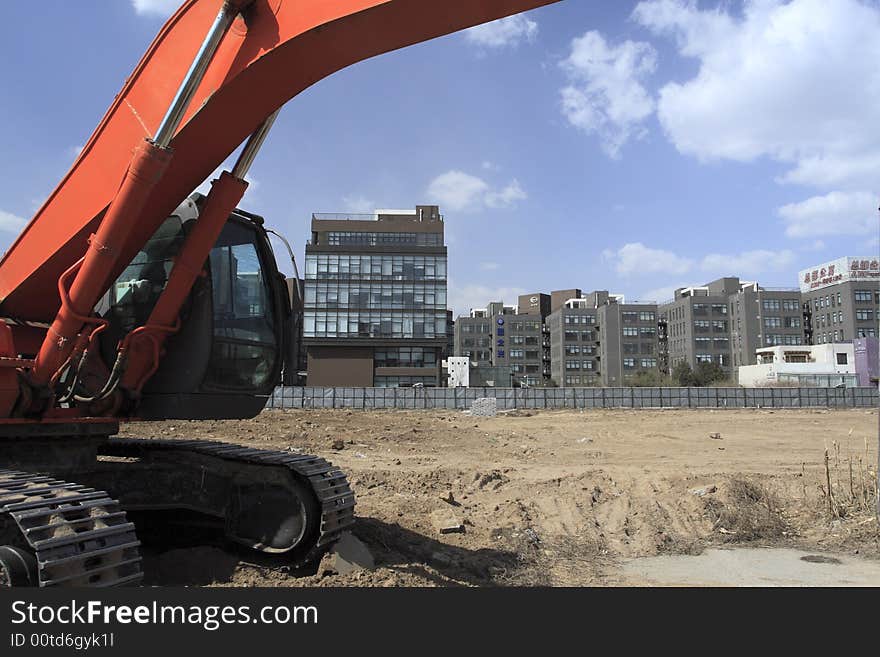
x=289, y=397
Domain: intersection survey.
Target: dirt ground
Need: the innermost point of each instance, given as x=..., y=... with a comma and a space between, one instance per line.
x=557, y=497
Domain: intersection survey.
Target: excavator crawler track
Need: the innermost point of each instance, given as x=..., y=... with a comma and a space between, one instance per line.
x=79, y=536
x=327, y=483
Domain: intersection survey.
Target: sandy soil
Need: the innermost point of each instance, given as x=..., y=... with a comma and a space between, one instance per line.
x=557, y=497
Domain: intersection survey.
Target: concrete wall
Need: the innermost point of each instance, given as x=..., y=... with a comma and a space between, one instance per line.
x=335, y=366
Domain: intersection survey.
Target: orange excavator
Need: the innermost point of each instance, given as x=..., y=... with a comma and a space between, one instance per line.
x=129, y=297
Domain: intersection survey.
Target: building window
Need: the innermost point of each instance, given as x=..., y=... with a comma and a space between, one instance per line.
x=335, y=238
x=703, y=358
x=647, y=332
x=405, y=357
x=791, y=304
x=517, y=339
x=841, y=358
x=517, y=353
x=864, y=315
x=701, y=325
x=572, y=380
x=647, y=316
x=572, y=349
x=629, y=363
x=773, y=322
x=630, y=332
x=771, y=304
x=719, y=309
x=648, y=362
x=572, y=364
x=719, y=326
x=629, y=317
x=862, y=296
x=792, y=322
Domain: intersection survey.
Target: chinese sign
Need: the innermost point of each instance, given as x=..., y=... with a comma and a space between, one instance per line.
x=840, y=271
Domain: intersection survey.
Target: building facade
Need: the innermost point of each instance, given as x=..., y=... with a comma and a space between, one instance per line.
x=561, y=339
x=841, y=300
x=826, y=366
x=573, y=327
x=507, y=345
x=628, y=340
x=375, y=299
x=761, y=317
x=697, y=324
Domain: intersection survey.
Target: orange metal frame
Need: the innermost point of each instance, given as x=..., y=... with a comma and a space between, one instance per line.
x=110, y=203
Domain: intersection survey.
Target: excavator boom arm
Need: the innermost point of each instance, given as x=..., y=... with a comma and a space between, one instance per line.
x=274, y=50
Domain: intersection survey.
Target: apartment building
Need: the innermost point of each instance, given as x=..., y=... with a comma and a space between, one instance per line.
x=841, y=300
x=375, y=299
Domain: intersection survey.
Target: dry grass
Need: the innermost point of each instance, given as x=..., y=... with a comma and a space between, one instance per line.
x=749, y=511
x=850, y=484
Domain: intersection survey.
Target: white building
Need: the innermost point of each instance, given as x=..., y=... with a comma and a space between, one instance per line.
x=823, y=365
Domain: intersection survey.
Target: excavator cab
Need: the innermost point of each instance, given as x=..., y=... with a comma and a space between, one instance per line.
x=227, y=354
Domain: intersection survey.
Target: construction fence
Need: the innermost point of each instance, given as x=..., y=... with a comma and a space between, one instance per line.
x=578, y=398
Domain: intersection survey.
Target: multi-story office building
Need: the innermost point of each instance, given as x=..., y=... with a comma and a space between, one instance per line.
x=375, y=299
x=574, y=338
x=841, y=300
x=628, y=340
x=697, y=324
x=499, y=339
x=761, y=317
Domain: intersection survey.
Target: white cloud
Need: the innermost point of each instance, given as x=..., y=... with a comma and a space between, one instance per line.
x=796, y=81
x=489, y=266
x=358, y=205
x=457, y=190
x=605, y=95
x=10, y=223
x=156, y=7
x=636, y=258
x=817, y=245
x=748, y=263
x=507, y=197
x=836, y=213
x=462, y=192
x=462, y=299
x=502, y=33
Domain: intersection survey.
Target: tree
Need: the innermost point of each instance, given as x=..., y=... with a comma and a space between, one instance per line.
x=683, y=375
x=648, y=379
x=708, y=373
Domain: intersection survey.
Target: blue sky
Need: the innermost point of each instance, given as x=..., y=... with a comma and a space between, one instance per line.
x=628, y=146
